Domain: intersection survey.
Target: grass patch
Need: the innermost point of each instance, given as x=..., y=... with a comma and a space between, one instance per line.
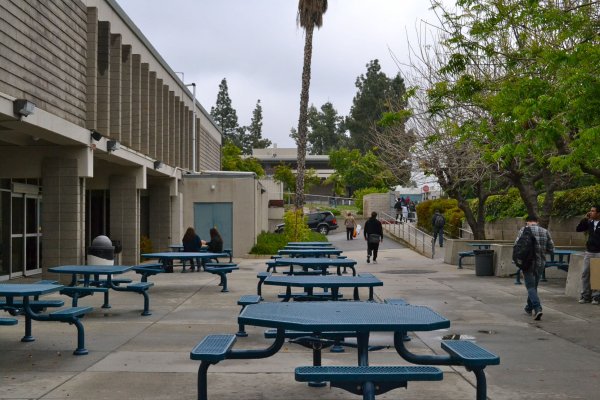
x=269, y=243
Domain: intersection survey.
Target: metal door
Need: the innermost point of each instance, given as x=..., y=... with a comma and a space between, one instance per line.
x=218, y=215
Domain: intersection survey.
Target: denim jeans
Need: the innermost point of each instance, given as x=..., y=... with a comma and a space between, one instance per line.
x=586, y=289
x=532, y=278
x=438, y=233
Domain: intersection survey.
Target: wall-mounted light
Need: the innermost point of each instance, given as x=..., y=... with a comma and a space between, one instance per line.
x=95, y=135
x=212, y=187
x=112, y=145
x=158, y=164
x=23, y=108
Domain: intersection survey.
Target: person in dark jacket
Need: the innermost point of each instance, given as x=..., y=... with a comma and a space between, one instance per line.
x=216, y=242
x=191, y=243
x=590, y=224
x=373, y=233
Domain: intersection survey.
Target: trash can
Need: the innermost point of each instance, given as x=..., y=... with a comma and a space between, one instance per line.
x=101, y=251
x=484, y=262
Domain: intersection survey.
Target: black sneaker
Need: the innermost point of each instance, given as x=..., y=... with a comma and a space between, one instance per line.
x=584, y=300
x=528, y=311
x=538, y=315
x=596, y=301
x=368, y=259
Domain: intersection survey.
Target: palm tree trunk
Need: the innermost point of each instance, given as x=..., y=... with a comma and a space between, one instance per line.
x=302, y=120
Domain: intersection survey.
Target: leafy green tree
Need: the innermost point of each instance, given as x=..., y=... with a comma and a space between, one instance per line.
x=225, y=115
x=310, y=15
x=232, y=160
x=376, y=94
x=327, y=130
x=252, y=137
x=360, y=171
x=527, y=73
x=283, y=173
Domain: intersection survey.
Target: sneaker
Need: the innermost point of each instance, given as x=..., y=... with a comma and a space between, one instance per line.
x=584, y=300
x=368, y=259
x=596, y=301
x=538, y=315
x=375, y=262
x=528, y=311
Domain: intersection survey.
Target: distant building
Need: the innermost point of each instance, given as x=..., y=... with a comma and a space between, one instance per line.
x=271, y=157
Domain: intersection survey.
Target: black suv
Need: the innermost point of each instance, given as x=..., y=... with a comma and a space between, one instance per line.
x=322, y=222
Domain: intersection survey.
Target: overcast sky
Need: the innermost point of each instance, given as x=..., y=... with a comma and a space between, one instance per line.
x=257, y=47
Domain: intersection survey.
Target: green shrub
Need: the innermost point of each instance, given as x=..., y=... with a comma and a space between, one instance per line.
x=576, y=202
x=268, y=243
x=296, y=229
x=448, y=207
x=509, y=205
x=360, y=193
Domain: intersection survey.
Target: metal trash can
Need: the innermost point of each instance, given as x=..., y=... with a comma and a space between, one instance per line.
x=101, y=251
x=484, y=262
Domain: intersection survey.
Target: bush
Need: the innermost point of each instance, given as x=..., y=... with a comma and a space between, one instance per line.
x=268, y=243
x=509, y=205
x=448, y=207
x=296, y=229
x=576, y=202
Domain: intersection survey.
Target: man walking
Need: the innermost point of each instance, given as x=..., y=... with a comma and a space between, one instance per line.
x=437, y=222
x=398, y=208
x=591, y=225
x=373, y=233
x=531, y=275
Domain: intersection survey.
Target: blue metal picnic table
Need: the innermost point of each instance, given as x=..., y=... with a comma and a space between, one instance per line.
x=360, y=317
x=481, y=246
x=166, y=258
x=91, y=278
x=27, y=291
x=321, y=263
x=311, y=244
x=310, y=252
x=333, y=282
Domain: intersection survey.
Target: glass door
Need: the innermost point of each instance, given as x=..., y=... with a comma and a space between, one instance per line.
x=26, y=235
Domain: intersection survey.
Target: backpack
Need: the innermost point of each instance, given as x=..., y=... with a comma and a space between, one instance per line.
x=439, y=221
x=524, y=250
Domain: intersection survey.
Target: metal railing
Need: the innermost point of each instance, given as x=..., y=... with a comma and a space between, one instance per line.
x=321, y=199
x=417, y=239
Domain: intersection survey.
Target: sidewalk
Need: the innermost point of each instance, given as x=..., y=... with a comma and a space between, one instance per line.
x=135, y=357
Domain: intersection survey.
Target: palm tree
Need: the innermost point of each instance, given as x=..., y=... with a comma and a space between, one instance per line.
x=310, y=14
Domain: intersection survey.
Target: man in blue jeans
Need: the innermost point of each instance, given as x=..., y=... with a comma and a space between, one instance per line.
x=543, y=245
x=591, y=225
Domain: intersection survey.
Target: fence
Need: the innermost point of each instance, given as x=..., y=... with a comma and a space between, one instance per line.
x=418, y=240
x=332, y=201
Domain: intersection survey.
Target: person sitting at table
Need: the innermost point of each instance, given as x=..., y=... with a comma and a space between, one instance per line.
x=191, y=243
x=216, y=242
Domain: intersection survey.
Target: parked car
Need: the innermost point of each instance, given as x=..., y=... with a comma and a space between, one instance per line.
x=322, y=222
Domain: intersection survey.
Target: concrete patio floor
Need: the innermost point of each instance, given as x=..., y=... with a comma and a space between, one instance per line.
x=136, y=357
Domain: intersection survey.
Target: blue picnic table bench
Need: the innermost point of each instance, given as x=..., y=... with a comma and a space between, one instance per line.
x=325, y=252
x=559, y=259
x=91, y=283
x=316, y=264
x=19, y=299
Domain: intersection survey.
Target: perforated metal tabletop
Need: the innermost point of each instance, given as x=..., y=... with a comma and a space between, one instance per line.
x=342, y=316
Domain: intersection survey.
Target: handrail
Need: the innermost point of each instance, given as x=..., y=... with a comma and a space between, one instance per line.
x=417, y=239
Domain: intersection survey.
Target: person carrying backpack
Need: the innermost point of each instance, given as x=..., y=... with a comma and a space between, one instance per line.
x=591, y=225
x=437, y=222
x=529, y=253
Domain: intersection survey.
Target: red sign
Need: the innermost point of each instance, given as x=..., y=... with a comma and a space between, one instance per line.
x=425, y=189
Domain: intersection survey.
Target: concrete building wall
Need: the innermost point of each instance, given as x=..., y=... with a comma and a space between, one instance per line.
x=379, y=202
x=44, y=55
x=125, y=216
x=244, y=192
x=63, y=217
